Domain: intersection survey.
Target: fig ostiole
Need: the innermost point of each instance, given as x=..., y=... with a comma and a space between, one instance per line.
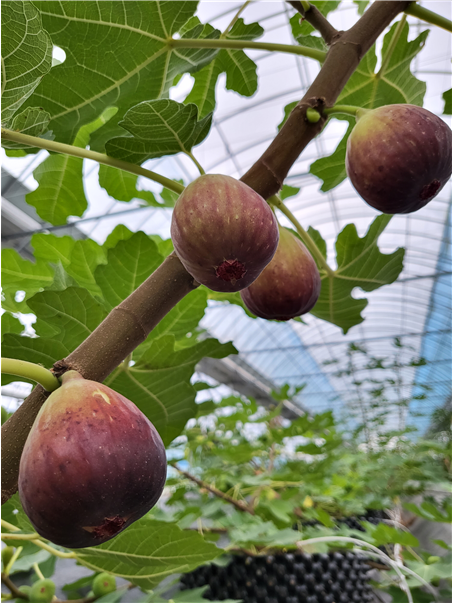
x=223, y=232
x=399, y=157
x=289, y=286
x=92, y=464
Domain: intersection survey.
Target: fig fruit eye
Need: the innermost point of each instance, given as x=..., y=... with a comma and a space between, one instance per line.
x=223, y=232
x=92, y=464
x=399, y=157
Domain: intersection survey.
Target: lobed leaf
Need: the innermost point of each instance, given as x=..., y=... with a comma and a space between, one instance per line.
x=26, y=54
x=95, y=75
x=148, y=551
x=159, y=127
x=360, y=263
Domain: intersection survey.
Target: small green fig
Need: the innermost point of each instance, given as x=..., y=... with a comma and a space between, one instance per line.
x=25, y=589
x=399, y=157
x=42, y=591
x=103, y=584
x=7, y=555
x=223, y=232
x=92, y=464
x=289, y=286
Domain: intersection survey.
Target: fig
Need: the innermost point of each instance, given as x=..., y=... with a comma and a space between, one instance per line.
x=289, y=286
x=42, y=591
x=103, y=584
x=223, y=232
x=399, y=157
x=92, y=464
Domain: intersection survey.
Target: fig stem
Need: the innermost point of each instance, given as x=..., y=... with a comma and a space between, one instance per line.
x=391, y=47
x=347, y=109
x=38, y=542
x=312, y=115
x=38, y=572
x=312, y=53
x=424, y=14
x=196, y=162
x=13, y=560
x=305, y=4
x=32, y=371
x=68, y=149
x=32, y=536
x=305, y=236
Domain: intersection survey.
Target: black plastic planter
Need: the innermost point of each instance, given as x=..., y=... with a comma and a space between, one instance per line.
x=335, y=577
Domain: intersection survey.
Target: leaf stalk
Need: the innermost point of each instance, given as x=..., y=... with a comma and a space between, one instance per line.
x=304, y=235
x=424, y=14
x=312, y=53
x=68, y=149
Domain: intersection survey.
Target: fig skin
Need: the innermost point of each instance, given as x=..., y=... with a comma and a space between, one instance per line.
x=399, y=157
x=223, y=232
x=92, y=464
x=289, y=286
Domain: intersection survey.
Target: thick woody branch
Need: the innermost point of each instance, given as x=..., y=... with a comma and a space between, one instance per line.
x=317, y=20
x=116, y=337
x=130, y=323
x=267, y=175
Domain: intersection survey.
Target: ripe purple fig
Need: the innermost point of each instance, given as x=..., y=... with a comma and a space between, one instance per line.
x=289, y=286
x=223, y=232
x=399, y=157
x=92, y=464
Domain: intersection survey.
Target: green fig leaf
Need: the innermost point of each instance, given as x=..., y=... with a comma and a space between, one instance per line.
x=149, y=551
x=11, y=324
x=69, y=316
x=22, y=275
x=181, y=321
x=359, y=264
x=362, y=5
x=95, y=75
x=52, y=249
x=60, y=193
x=159, y=127
x=33, y=122
x=27, y=54
x=86, y=256
x=122, y=186
x=447, y=96
x=128, y=265
x=159, y=383
x=331, y=169
x=240, y=70
x=393, y=83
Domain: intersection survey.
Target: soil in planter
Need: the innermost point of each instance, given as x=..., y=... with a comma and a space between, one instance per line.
x=335, y=577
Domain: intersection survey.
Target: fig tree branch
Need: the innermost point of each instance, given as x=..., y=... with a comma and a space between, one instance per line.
x=415, y=10
x=18, y=594
x=68, y=149
x=115, y=338
x=118, y=335
x=237, y=503
x=267, y=175
x=313, y=16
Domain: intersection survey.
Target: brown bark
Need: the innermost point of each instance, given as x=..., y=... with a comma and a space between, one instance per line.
x=130, y=323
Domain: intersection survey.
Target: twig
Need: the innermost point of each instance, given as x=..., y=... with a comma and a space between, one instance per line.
x=317, y=20
x=13, y=588
x=237, y=503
